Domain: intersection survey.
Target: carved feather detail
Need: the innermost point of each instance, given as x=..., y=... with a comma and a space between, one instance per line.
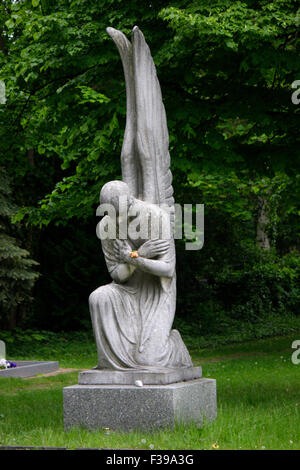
x=145, y=157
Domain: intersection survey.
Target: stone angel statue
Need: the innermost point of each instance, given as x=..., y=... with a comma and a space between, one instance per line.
x=132, y=317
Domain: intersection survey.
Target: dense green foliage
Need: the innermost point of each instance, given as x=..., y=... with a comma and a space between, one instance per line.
x=226, y=70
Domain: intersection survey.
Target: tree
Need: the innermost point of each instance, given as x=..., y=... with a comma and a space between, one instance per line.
x=17, y=275
x=226, y=70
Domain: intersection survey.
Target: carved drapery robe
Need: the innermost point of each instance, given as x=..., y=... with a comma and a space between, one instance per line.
x=132, y=321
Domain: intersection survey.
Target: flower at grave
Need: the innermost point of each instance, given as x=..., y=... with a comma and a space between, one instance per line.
x=3, y=364
x=11, y=364
x=215, y=446
x=134, y=254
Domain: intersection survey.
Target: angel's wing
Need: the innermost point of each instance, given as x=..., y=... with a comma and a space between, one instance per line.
x=145, y=154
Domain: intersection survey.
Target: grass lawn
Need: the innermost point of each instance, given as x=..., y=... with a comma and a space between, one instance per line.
x=258, y=391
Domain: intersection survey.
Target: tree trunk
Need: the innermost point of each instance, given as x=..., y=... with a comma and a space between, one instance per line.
x=2, y=42
x=12, y=319
x=262, y=238
x=30, y=157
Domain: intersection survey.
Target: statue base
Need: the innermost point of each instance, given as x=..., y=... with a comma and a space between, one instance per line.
x=129, y=407
x=156, y=376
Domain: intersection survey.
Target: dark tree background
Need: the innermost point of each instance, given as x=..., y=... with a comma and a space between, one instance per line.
x=226, y=69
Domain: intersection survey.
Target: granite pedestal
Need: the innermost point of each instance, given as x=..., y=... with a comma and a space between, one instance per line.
x=129, y=407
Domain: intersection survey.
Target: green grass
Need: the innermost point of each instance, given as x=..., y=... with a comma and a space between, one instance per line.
x=258, y=400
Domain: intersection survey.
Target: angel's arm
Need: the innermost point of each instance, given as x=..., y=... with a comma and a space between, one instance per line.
x=119, y=270
x=122, y=271
x=162, y=267
x=157, y=267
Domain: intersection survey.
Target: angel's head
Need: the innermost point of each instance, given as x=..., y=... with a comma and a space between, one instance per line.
x=116, y=193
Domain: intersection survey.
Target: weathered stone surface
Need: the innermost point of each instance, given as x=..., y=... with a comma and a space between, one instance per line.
x=148, y=377
x=2, y=350
x=30, y=368
x=127, y=407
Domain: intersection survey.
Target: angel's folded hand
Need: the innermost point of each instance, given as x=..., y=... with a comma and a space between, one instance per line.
x=122, y=250
x=153, y=248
